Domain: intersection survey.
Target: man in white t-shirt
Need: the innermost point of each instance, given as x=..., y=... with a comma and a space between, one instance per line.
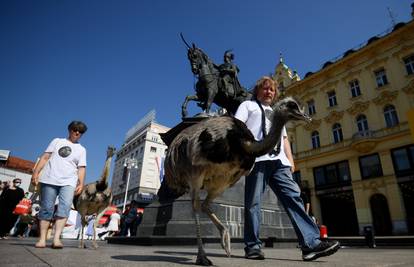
x=275, y=169
x=63, y=164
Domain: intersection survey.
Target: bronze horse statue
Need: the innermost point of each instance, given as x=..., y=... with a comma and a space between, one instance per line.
x=210, y=87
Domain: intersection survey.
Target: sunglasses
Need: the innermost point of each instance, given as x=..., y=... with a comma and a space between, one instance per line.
x=78, y=130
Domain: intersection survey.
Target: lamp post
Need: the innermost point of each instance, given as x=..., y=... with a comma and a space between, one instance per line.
x=129, y=163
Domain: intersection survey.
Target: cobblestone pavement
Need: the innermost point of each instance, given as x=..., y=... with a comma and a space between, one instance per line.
x=21, y=252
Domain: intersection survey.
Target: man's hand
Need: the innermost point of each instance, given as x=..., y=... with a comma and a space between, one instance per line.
x=78, y=189
x=35, y=178
x=292, y=168
x=81, y=178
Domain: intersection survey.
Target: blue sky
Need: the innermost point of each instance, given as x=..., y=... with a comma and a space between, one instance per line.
x=108, y=63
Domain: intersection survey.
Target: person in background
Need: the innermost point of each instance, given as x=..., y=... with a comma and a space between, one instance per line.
x=9, y=198
x=114, y=223
x=89, y=229
x=25, y=222
x=64, y=163
x=304, y=195
x=130, y=220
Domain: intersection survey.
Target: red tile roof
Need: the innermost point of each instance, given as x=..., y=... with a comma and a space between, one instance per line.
x=19, y=164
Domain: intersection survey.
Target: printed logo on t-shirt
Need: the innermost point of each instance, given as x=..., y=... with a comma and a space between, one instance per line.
x=65, y=151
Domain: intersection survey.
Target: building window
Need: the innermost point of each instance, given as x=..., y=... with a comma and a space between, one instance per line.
x=337, y=133
x=355, y=90
x=370, y=166
x=381, y=77
x=154, y=138
x=343, y=170
x=311, y=107
x=403, y=160
x=315, y=139
x=332, y=98
x=335, y=174
x=362, y=124
x=409, y=64
x=153, y=149
x=390, y=115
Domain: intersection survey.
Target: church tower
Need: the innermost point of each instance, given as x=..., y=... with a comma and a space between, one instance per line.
x=284, y=75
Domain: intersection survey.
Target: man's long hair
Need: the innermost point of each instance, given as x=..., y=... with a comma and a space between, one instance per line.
x=261, y=82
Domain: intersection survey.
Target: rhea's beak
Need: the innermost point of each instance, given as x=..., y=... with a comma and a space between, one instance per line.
x=300, y=114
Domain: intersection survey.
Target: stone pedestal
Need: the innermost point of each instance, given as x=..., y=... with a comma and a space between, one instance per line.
x=174, y=219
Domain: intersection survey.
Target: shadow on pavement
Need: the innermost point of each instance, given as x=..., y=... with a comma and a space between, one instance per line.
x=217, y=255
x=144, y=258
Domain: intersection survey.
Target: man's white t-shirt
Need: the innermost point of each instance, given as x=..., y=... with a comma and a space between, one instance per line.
x=250, y=113
x=62, y=166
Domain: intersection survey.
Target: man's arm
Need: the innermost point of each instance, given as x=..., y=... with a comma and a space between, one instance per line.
x=81, y=179
x=288, y=153
x=42, y=162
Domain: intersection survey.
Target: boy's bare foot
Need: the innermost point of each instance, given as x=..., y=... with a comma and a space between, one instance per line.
x=40, y=244
x=57, y=244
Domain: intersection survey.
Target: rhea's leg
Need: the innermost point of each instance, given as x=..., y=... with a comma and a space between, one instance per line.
x=95, y=224
x=201, y=256
x=224, y=232
x=83, y=223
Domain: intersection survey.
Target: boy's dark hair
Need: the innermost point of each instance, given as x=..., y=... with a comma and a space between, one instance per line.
x=77, y=126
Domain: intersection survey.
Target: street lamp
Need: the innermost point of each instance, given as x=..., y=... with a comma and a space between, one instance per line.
x=129, y=163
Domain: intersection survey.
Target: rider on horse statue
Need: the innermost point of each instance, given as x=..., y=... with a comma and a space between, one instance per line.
x=230, y=82
x=215, y=84
x=228, y=73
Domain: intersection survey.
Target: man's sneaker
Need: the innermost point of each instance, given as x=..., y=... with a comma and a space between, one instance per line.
x=325, y=248
x=255, y=254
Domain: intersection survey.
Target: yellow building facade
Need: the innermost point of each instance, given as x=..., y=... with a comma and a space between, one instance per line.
x=356, y=158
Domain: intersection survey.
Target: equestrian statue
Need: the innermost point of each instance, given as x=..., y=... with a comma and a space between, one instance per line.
x=216, y=84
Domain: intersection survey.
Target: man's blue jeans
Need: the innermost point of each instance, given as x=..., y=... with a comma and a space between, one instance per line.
x=48, y=195
x=279, y=178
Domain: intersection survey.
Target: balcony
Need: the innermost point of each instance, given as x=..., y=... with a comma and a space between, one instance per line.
x=359, y=141
x=364, y=141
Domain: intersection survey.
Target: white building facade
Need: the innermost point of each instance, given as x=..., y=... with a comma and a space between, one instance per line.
x=143, y=143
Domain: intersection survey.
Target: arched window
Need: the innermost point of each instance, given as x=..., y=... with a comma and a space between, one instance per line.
x=362, y=124
x=337, y=133
x=315, y=139
x=390, y=115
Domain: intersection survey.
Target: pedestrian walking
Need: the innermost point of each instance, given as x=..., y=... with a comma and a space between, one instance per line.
x=275, y=169
x=63, y=164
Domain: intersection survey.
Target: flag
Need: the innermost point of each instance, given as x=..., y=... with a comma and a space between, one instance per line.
x=160, y=165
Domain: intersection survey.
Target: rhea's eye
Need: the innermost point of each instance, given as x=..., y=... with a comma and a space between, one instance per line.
x=292, y=105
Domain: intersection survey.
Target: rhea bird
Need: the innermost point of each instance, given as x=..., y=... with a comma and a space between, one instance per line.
x=95, y=198
x=214, y=154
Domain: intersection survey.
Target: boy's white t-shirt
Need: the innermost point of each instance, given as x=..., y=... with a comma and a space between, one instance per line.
x=250, y=113
x=62, y=167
